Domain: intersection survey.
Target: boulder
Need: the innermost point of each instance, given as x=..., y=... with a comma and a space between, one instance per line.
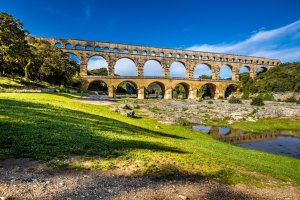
x=128, y=113
x=124, y=106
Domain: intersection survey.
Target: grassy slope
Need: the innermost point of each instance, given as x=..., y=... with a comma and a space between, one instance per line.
x=47, y=126
x=9, y=81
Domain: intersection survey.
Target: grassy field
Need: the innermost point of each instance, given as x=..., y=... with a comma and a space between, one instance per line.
x=55, y=128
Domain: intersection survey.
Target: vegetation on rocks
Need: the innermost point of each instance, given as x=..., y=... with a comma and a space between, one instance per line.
x=282, y=78
x=235, y=100
x=257, y=101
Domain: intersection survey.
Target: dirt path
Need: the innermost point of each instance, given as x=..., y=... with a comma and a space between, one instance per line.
x=97, y=100
x=26, y=179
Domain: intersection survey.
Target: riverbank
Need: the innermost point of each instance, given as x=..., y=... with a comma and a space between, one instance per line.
x=274, y=115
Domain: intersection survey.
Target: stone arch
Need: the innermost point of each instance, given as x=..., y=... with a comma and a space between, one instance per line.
x=98, y=86
x=203, y=71
x=230, y=89
x=243, y=72
x=68, y=46
x=127, y=88
x=244, y=69
x=97, y=65
x=76, y=59
x=261, y=70
x=226, y=72
x=181, y=90
x=207, y=90
x=116, y=50
x=97, y=48
x=125, y=66
x=155, y=89
x=152, y=68
x=78, y=47
x=178, y=69
x=88, y=48
x=58, y=45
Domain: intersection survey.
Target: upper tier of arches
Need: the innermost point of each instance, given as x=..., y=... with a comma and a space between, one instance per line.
x=176, y=54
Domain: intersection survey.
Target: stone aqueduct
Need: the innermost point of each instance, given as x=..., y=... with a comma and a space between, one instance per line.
x=112, y=52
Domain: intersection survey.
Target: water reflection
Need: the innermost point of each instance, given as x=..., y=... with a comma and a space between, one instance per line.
x=275, y=141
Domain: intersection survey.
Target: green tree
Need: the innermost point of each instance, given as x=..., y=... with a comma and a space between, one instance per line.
x=14, y=49
x=50, y=64
x=203, y=76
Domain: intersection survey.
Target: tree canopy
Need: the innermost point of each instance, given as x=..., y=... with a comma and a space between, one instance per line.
x=284, y=77
x=34, y=59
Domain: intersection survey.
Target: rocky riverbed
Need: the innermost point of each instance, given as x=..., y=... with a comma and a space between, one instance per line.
x=209, y=111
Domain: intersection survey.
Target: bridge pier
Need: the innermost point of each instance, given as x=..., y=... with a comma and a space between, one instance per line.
x=219, y=93
x=111, y=91
x=141, y=93
x=168, y=93
x=193, y=93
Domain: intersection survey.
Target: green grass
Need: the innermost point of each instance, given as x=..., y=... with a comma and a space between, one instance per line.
x=5, y=81
x=53, y=127
x=262, y=125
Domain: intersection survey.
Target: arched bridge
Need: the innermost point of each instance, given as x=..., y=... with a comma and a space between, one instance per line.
x=112, y=52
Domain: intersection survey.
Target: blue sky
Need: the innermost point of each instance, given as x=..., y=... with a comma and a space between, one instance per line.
x=269, y=28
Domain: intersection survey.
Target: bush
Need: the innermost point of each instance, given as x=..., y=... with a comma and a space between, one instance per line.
x=245, y=95
x=257, y=101
x=235, y=100
x=220, y=97
x=210, y=102
x=267, y=96
x=183, y=122
x=291, y=100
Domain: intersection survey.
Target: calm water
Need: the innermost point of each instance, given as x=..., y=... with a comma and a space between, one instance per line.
x=276, y=142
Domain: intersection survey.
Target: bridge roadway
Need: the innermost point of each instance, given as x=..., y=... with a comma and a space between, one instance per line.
x=192, y=85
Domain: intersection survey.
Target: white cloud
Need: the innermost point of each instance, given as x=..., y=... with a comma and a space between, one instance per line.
x=152, y=68
x=202, y=69
x=282, y=43
x=96, y=62
x=125, y=67
x=177, y=69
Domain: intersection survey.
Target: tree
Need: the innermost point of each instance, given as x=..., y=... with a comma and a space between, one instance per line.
x=50, y=64
x=14, y=49
x=99, y=72
x=203, y=76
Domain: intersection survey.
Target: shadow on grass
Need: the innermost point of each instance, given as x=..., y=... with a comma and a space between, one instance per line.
x=43, y=131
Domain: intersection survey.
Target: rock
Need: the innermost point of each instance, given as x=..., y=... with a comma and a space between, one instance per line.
x=136, y=106
x=182, y=197
x=250, y=119
x=124, y=106
x=115, y=109
x=3, y=198
x=129, y=113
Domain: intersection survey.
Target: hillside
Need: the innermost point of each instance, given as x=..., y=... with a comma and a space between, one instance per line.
x=282, y=78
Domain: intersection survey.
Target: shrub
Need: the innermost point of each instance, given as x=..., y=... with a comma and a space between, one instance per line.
x=210, y=102
x=245, y=95
x=234, y=100
x=291, y=100
x=257, y=101
x=220, y=97
x=267, y=96
x=183, y=122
